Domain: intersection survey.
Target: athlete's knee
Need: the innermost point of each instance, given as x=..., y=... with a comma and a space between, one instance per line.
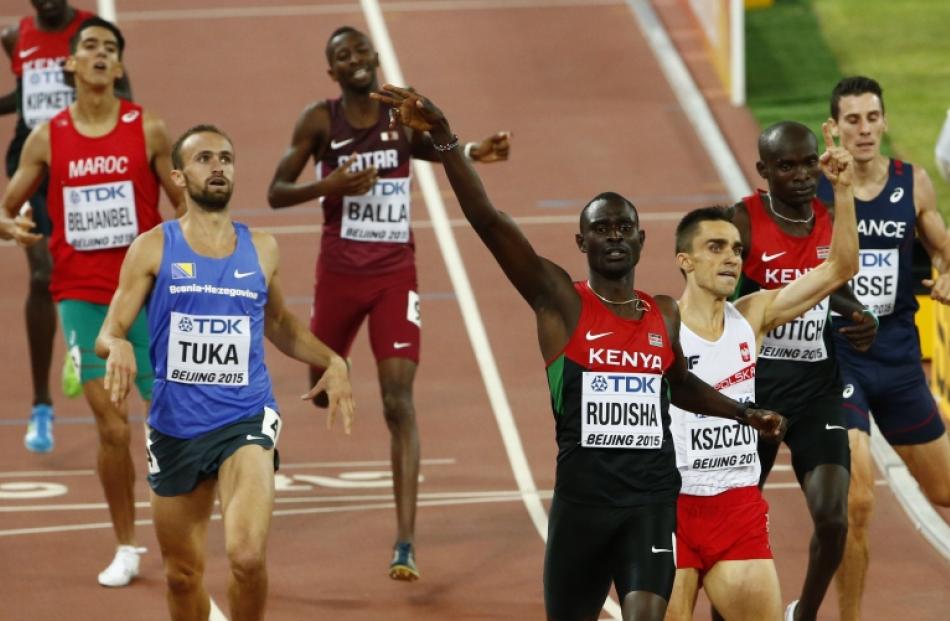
x=183, y=578
x=114, y=433
x=860, y=506
x=247, y=562
x=39, y=280
x=397, y=407
x=831, y=526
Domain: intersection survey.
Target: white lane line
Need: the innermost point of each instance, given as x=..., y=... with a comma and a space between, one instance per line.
x=215, y=613
x=342, y=8
x=690, y=99
x=463, y=290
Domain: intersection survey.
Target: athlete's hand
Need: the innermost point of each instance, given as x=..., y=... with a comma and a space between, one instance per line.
x=409, y=108
x=345, y=182
x=939, y=288
x=20, y=229
x=836, y=162
x=495, y=148
x=120, y=370
x=336, y=382
x=771, y=425
x=861, y=333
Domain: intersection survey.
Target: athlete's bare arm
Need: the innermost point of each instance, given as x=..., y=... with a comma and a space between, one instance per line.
x=34, y=160
x=933, y=234
x=688, y=392
x=770, y=308
x=309, y=140
x=494, y=148
x=8, y=39
x=136, y=278
x=544, y=285
x=290, y=336
x=160, y=154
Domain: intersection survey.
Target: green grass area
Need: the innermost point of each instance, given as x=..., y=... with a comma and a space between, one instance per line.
x=797, y=49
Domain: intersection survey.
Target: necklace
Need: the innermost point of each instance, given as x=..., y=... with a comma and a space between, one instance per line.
x=786, y=218
x=640, y=304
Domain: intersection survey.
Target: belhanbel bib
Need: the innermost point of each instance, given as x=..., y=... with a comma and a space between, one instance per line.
x=621, y=410
x=100, y=216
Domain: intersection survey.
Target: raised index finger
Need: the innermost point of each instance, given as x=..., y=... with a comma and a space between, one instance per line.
x=826, y=132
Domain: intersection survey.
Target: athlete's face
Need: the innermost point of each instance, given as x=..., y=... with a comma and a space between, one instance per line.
x=861, y=125
x=96, y=59
x=715, y=260
x=49, y=10
x=792, y=169
x=611, y=237
x=353, y=62
x=207, y=172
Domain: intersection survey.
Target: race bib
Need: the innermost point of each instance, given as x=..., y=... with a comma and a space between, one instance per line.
x=100, y=216
x=621, y=410
x=208, y=349
x=382, y=215
x=799, y=339
x=44, y=93
x=717, y=443
x=875, y=285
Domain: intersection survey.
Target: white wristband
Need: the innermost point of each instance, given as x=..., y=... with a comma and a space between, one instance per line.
x=467, y=151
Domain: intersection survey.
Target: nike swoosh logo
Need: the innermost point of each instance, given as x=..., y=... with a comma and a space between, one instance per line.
x=401, y=345
x=827, y=426
x=338, y=145
x=250, y=437
x=766, y=257
x=130, y=116
x=29, y=52
x=238, y=274
x=594, y=337
x=657, y=550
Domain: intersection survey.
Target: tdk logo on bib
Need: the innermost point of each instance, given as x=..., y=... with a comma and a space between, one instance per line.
x=209, y=349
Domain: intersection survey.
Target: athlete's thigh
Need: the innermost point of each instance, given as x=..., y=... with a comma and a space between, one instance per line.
x=861, y=490
x=340, y=303
x=857, y=411
x=246, y=489
x=576, y=574
x=395, y=321
x=904, y=408
x=181, y=523
x=683, y=597
x=930, y=464
x=643, y=557
x=81, y=324
x=819, y=437
x=745, y=590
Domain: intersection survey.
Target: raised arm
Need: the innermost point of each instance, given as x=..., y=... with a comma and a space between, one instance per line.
x=290, y=336
x=160, y=149
x=33, y=164
x=541, y=283
x=494, y=148
x=136, y=279
x=768, y=309
x=310, y=137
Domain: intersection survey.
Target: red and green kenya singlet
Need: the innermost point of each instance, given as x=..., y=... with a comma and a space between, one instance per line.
x=368, y=234
x=797, y=361
x=102, y=194
x=611, y=403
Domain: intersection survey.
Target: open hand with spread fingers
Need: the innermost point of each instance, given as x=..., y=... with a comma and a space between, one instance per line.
x=410, y=108
x=836, y=162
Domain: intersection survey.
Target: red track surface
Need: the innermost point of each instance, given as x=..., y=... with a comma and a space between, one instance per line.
x=590, y=111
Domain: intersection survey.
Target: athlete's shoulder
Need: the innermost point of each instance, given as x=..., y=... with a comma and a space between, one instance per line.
x=146, y=250
x=8, y=38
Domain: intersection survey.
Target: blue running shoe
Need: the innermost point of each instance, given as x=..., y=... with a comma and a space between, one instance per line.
x=403, y=566
x=39, y=433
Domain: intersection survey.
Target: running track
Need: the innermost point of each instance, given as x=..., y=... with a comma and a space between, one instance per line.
x=578, y=85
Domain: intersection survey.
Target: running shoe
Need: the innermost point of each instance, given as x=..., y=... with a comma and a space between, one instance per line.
x=72, y=387
x=39, y=433
x=790, y=611
x=403, y=566
x=123, y=567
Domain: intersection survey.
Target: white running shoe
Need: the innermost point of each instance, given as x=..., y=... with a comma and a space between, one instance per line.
x=123, y=568
x=790, y=611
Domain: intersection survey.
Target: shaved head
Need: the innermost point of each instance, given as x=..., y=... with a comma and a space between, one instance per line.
x=776, y=138
x=606, y=197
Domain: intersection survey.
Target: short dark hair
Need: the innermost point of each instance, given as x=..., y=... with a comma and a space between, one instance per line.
x=772, y=138
x=689, y=225
x=177, y=162
x=854, y=85
x=342, y=30
x=97, y=22
x=609, y=197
